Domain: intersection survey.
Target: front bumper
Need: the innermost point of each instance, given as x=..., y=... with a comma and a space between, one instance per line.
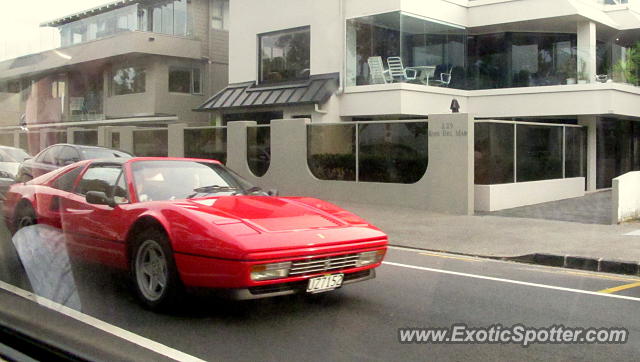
x=280, y=289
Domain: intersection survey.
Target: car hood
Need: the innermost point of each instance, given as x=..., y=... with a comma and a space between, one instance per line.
x=266, y=214
x=255, y=227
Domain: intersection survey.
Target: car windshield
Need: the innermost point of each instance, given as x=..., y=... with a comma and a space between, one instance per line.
x=15, y=154
x=96, y=153
x=174, y=180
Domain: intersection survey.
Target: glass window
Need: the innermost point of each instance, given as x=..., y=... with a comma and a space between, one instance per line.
x=120, y=194
x=185, y=80
x=67, y=180
x=100, y=26
x=150, y=143
x=48, y=156
x=285, y=55
x=539, y=152
x=128, y=80
x=67, y=156
x=259, y=149
x=494, y=163
x=92, y=153
x=398, y=47
x=220, y=14
x=171, y=180
x=101, y=178
x=575, y=152
x=87, y=138
x=392, y=152
x=208, y=143
x=331, y=151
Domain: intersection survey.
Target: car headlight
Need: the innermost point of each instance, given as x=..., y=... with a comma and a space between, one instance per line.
x=369, y=257
x=270, y=271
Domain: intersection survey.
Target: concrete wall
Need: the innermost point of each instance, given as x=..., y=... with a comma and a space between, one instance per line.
x=505, y=196
x=447, y=185
x=625, y=197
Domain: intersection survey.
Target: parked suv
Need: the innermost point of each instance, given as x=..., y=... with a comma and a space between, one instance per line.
x=60, y=155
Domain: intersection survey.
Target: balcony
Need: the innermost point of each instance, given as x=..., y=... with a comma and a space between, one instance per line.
x=124, y=43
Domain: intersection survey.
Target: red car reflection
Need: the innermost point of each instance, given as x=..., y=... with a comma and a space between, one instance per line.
x=177, y=223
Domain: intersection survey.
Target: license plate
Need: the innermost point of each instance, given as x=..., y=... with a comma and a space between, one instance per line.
x=324, y=283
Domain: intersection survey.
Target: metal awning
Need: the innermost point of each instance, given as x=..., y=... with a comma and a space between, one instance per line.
x=317, y=90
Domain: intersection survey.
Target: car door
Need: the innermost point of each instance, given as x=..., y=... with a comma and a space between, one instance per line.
x=95, y=232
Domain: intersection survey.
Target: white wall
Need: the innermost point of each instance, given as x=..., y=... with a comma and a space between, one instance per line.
x=626, y=197
x=506, y=196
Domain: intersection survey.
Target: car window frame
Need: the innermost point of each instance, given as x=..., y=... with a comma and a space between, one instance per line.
x=41, y=156
x=66, y=172
x=76, y=188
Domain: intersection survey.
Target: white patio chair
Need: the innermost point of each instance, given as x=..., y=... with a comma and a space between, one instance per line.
x=376, y=70
x=445, y=79
x=398, y=71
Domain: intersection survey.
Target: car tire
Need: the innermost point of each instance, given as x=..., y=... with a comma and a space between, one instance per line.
x=25, y=216
x=154, y=272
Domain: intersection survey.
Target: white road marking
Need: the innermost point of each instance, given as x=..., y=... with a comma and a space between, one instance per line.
x=102, y=325
x=580, y=291
x=634, y=233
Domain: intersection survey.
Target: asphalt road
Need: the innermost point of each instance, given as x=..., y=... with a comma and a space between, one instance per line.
x=361, y=321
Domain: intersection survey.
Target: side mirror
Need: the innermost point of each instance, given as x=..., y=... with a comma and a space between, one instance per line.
x=272, y=192
x=99, y=198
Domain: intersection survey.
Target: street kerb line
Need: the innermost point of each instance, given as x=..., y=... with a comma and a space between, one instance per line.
x=102, y=325
x=502, y=280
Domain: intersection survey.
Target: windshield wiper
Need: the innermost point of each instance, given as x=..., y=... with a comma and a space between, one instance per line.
x=211, y=189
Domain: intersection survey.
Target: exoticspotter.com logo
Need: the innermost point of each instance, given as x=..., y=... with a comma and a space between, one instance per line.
x=516, y=334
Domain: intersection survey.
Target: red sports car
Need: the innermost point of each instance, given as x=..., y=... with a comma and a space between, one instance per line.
x=176, y=223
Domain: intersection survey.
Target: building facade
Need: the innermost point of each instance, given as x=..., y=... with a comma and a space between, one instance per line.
x=513, y=64
x=126, y=62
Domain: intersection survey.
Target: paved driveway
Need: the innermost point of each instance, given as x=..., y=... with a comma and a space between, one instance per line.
x=594, y=208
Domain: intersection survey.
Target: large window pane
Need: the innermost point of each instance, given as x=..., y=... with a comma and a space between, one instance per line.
x=100, y=26
x=575, y=152
x=494, y=146
x=398, y=47
x=128, y=80
x=259, y=149
x=539, y=152
x=179, y=80
x=331, y=151
x=392, y=152
x=285, y=55
x=150, y=143
x=6, y=139
x=618, y=149
x=208, y=143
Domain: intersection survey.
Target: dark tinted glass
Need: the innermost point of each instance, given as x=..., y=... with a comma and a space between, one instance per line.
x=208, y=143
x=67, y=180
x=539, y=153
x=494, y=153
x=285, y=55
x=99, y=178
x=67, y=156
x=575, y=152
x=87, y=138
x=150, y=143
x=392, y=152
x=331, y=151
x=259, y=149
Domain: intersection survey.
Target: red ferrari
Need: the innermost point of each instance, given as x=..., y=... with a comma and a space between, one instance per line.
x=178, y=223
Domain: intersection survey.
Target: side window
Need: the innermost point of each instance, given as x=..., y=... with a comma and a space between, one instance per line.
x=46, y=156
x=101, y=178
x=120, y=194
x=67, y=156
x=66, y=181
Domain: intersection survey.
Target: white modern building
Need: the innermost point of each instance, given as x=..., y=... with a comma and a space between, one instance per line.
x=552, y=84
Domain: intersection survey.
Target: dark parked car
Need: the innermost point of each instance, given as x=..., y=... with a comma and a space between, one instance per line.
x=60, y=155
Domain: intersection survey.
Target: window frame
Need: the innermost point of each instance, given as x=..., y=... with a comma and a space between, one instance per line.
x=192, y=78
x=259, y=38
x=76, y=188
x=112, y=86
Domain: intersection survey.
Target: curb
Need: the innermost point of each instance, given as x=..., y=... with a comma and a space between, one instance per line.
x=580, y=262
x=561, y=261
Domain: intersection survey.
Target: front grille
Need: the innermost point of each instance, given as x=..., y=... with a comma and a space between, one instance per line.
x=320, y=265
